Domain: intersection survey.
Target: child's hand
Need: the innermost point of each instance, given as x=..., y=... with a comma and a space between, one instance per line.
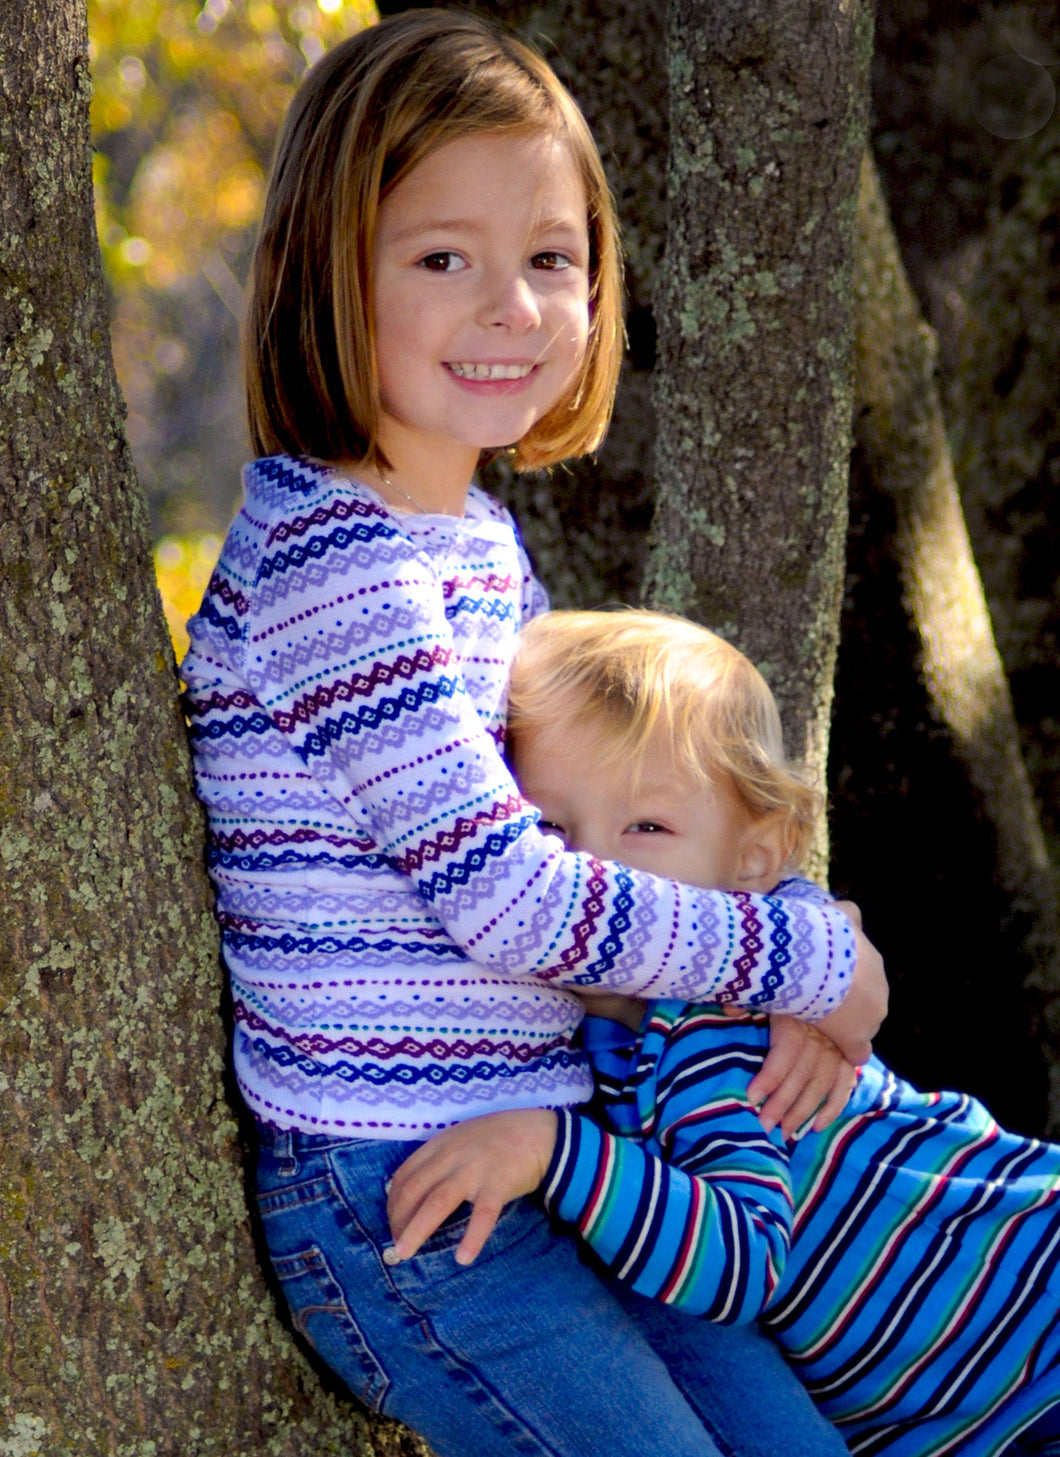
x=803, y=1074
x=485, y=1162
x=856, y=1020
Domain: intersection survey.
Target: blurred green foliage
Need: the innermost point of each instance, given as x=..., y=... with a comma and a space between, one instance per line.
x=188, y=99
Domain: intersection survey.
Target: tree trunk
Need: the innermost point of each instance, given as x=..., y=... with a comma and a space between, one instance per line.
x=137, y=1321
x=586, y=522
x=1004, y=413
x=755, y=322
x=903, y=440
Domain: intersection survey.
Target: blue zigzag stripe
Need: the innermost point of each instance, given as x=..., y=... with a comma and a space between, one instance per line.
x=436, y=1074
x=371, y=715
x=276, y=469
x=617, y=924
x=235, y=727
x=442, y=882
x=334, y=945
x=300, y=552
x=228, y=625
x=493, y=607
x=773, y=977
x=266, y=860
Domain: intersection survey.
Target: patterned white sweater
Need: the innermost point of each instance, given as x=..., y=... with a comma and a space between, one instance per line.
x=402, y=939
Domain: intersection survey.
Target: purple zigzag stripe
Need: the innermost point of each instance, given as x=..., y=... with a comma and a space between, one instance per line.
x=489, y=583
x=341, y=509
x=449, y=841
x=240, y=840
x=222, y=701
x=437, y=1048
x=745, y=962
x=229, y=595
x=363, y=685
x=593, y=905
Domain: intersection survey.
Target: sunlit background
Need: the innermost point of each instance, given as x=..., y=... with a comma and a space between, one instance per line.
x=187, y=102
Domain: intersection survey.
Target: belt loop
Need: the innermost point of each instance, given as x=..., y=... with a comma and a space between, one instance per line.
x=283, y=1149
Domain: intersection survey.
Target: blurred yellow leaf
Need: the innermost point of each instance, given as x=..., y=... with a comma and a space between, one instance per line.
x=183, y=567
x=188, y=97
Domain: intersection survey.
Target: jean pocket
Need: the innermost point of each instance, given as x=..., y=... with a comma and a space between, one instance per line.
x=433, y=1265
x=320, y=1313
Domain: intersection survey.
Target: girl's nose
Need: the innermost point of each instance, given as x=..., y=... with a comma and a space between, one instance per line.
x=513, y=305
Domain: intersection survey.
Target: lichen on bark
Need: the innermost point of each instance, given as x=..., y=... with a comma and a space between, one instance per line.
x=137, y=1322
x=753, y=387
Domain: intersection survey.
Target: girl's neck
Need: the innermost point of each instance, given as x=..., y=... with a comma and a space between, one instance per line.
x=428, y=478
x=416, y=498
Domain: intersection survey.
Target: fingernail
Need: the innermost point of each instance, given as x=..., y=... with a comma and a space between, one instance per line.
x=386, y=1186
x=391, y=1256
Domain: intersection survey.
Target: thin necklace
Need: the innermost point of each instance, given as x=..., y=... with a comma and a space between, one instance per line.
x=393, y=486
x=423, y=510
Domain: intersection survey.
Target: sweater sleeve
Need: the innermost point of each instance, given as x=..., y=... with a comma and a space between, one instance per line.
x=708, y=1227
x=347, y=651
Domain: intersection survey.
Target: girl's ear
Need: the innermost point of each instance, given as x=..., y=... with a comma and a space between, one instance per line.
x=763, y=853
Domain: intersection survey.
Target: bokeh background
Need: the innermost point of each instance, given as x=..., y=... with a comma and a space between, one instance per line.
x=187, y=101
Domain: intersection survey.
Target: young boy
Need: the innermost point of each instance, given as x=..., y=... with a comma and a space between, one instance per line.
x=907, y=1260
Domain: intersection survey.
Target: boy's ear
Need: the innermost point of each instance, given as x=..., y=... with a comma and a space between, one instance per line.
x=763, y=853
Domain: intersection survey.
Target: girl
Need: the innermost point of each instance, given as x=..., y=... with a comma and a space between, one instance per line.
x=437, y=275
x=907, y=1260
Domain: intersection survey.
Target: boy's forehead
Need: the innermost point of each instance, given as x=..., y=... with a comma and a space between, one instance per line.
x=652, y=769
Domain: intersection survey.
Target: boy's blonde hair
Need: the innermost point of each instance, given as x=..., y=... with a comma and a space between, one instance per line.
x=366, y=114
x=632, y=671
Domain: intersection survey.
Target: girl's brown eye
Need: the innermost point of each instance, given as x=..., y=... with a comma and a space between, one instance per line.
x=442, y=262
x=550, y=261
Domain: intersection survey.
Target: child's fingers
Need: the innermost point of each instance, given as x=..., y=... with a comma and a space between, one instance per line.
x=856, y=1020
x=787, y=1039
x=425, y=1189
x=485, y=1162
x=414, y=1220
x=830, y=1109
x=804, y=1077
x=484, y=1215
x=795, y=1101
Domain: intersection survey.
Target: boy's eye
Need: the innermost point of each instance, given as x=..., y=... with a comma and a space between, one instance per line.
x=550, y=261
x=549, y=827
x=443, y=261
x=646, y=827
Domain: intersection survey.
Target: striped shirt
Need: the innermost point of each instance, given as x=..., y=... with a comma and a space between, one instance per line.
x=400, y=935
x=907, y=1260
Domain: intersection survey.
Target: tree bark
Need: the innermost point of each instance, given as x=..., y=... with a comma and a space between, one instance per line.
x=586, y=522
x=1004, y=414
x=136, y=1319
x=902, y=435
x=755, y=322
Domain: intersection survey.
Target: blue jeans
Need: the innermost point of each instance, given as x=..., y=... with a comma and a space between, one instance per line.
x=524, y=1352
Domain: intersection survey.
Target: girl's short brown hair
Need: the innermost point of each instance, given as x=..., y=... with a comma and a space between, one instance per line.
x=364, y=116
x=631, y=672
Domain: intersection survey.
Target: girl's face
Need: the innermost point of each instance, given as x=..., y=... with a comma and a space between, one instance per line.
x=481, y=298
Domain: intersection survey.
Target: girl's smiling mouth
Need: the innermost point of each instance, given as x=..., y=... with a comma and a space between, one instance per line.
x=490, y=372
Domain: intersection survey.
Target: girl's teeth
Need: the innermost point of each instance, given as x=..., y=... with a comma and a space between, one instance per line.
x=491, y=371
